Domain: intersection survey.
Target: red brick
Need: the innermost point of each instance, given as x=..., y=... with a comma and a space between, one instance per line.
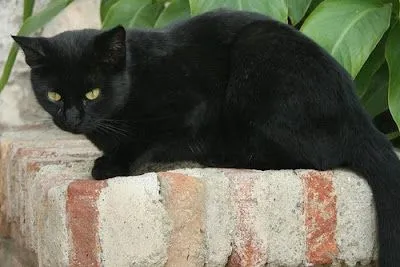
x=184, y=201
x=246, y=247
x=83, y=222
x=320, y=212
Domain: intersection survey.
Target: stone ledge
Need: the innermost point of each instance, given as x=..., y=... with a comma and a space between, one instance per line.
x=186, y=217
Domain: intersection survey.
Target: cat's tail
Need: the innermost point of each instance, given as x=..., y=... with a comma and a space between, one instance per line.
x=376, y=161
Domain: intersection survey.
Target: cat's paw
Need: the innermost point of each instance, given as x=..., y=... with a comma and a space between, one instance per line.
x=104, y=168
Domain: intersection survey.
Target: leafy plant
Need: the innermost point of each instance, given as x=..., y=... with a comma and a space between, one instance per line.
x=362, y=35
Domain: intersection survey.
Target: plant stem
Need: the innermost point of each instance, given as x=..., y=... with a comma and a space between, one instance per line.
x=28, y=9
x=8, y=66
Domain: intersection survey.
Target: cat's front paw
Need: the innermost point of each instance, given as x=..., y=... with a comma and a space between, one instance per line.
x=105, y=167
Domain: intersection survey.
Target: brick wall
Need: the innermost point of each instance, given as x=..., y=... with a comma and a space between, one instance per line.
x=187, y=217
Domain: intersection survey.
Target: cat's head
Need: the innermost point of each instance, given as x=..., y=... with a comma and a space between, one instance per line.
x=79, y=77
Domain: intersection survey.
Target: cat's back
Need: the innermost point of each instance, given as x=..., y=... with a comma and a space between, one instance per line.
x=221, y=25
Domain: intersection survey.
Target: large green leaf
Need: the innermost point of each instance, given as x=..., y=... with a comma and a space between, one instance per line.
x=122, y=12
x=30, y=25
x=375, y=99
x=159, y=14
x=175, y=10
x=392, y=54
x=147, y=15
x=371, y=66
x=297, y=9
x=105, y=5
x=313, y=5
x=348, y=29
x=275, y=8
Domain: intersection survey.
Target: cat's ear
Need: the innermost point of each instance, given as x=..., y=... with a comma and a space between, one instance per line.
x=110, y=47
x=33, y=50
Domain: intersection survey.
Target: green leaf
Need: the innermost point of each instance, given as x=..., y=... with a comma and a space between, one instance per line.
x=275, y=8
x=147, y=15
x=314, y=4
x=371, y=66
x=392, y=54
x=348, y=29
x=30, y=25
x=105, y=5
x=175, y=10
x=122, y=12
x=297, y=9
x=43, y=17
x=375, y=99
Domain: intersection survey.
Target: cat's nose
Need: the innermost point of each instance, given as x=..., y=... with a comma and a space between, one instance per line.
x=73, y=116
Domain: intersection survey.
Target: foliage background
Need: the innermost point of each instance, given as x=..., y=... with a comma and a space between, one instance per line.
x=362, y=35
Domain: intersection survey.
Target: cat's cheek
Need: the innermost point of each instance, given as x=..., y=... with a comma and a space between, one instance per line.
x=99, y=110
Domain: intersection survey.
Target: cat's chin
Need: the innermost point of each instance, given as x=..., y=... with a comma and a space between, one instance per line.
x=79, y=130
x=74, y=130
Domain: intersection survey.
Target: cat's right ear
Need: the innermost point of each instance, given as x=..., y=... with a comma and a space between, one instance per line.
x=33, y=50
x=110, y=47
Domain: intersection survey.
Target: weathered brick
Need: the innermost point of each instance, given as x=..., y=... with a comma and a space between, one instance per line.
x=279, y=213
x=184, y=200
x=134, y=226
x=356, y=219
x=248, y=248
x=5, y=157
x=321, y=217
x=83, y=222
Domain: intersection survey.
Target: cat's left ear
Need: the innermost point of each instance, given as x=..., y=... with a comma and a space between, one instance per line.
x=110, y=47
x=33, y=50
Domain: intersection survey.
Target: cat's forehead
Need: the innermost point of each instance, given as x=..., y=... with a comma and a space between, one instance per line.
x=67, y=79
x=69, y=47
x=75, y=38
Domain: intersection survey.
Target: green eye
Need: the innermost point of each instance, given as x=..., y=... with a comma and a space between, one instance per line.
x=53, y=96
x=93, y=94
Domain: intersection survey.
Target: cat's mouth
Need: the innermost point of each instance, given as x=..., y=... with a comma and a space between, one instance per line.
x=73, y=128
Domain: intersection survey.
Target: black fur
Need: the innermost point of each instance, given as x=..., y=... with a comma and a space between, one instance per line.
x=224, y=89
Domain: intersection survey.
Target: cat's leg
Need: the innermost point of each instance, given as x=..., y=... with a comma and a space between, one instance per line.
x=180, y=153
x=116, y=156
x=110, y=165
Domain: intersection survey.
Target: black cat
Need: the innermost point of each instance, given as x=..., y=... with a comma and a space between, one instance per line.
x=223, y=89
